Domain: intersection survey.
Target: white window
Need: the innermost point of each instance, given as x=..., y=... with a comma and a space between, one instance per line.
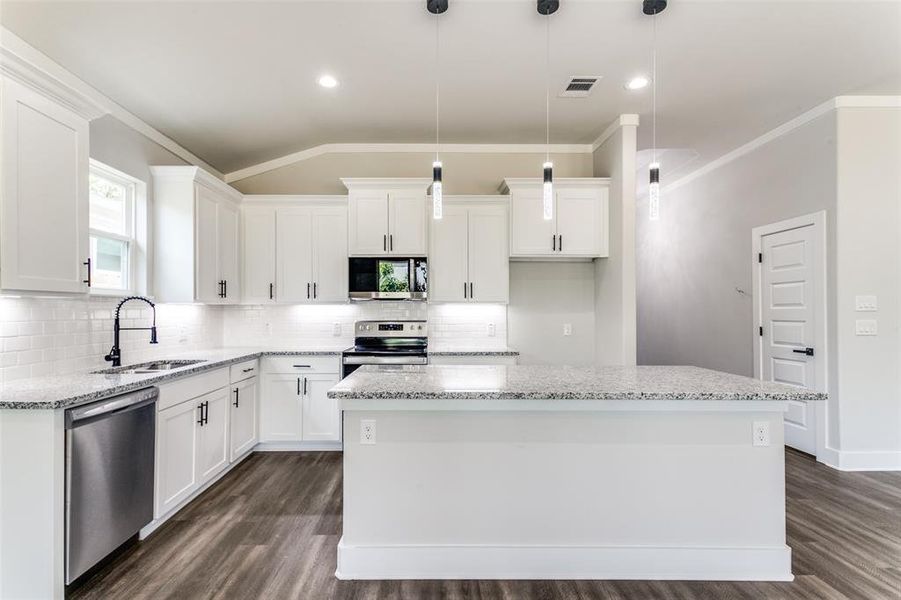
x=117, y=214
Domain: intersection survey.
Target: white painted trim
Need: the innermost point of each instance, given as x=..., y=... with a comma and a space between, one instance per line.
x=623, y=121
x=198, y=175
x=874, y=460
x=788, y=127
x=383, y=183
x=818, y=221
x=275, y=200
x=511, y=182
x=563, y=562
x=20, y=60
x=299, y=447
x=401, y=148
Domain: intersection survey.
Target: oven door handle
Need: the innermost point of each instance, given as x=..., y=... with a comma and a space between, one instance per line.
x=386, y=360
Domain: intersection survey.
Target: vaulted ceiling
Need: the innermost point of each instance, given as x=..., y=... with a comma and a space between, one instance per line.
x=236, y=82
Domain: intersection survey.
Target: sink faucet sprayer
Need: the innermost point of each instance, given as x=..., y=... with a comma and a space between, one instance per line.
x=115, y=353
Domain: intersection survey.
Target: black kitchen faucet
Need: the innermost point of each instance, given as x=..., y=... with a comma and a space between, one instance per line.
x=115, y=353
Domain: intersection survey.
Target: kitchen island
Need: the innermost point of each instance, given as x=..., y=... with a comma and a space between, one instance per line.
x=466, y=472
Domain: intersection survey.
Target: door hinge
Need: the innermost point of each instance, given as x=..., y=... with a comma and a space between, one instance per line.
x=761, y=330
x=760, y=257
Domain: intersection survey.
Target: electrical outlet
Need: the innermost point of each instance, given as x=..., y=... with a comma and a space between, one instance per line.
x=336, y=329
x=761, y=433
x=865, y=327
x=367, y=431
x=492, y=329
x=567, y=329
x=865, y=303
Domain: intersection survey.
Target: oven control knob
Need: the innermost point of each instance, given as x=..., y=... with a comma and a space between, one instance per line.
x=367, y=327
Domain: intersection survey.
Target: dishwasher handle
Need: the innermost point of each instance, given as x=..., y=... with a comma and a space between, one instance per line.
x=116, y=404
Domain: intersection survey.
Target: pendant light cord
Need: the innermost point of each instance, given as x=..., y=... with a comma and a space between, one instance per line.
x=437, y=87
x=654, y=91
x=547, y=85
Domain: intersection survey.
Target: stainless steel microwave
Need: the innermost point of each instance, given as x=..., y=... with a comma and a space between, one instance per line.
x=388, y=278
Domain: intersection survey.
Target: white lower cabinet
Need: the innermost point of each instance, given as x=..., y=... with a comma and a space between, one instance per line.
x=212, y=438
x=294, y=405
x=243, y=420
x=176, y=475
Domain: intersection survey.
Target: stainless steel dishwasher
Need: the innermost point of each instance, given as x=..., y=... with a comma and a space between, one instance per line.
x=109, y=475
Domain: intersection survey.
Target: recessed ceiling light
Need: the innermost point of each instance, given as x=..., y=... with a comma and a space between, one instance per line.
x=327, y=81
x=637, y=83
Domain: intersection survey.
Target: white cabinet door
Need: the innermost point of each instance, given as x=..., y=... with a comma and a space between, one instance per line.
x=407, y=223
x=448, y=276
x=280, y=408
x=259, y=255
x=212, y=437
x=207, y=280
x=329, y=270
x=176, y=476
x=321, y=414
x=294, y=254
x=530, y=233
x=367, y=222
x=489, y=261
x=228, y=226
x=579, y=221
x=44, y=214
x=243, y=418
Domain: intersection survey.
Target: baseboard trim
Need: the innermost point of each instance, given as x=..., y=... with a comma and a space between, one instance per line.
x=298, y=446
x=851, y=460
x=563, y=562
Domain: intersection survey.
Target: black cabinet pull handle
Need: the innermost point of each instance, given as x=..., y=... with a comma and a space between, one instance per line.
x=301, y=366
x=248, y=370
x=236, y=398
x=554, y=243
x=314, y=290
x=87, y=263
x=561, y=242
x=271, y=291
x=225, y=288
x=384, y=243
x=807, y=351
x=298, y=386
x=304, y=386
x=308, y=290
x=391, y=242
x=464, y=290
x=471, y=294
x=200, y=406
x=206, y=413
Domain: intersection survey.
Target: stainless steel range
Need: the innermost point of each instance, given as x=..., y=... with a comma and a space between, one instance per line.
x=386, y=343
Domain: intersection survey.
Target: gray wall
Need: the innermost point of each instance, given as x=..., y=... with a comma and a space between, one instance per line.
x=693, y=258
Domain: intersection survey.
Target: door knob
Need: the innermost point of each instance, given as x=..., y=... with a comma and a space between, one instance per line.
x=807, y=351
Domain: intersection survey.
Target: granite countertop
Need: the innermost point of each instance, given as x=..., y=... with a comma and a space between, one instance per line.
x=545, y=382
x=461, y=350
x=65, y=391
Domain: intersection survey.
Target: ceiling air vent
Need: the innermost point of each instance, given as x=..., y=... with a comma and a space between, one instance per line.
x=579, y=86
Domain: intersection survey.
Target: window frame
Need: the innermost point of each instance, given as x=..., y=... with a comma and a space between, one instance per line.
x=136, y=221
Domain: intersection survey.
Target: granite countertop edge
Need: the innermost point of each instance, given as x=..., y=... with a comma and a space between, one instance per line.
x=486, y=352
x=147, y=380
x=598, y=396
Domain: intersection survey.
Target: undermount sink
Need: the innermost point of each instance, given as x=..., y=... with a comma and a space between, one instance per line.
x=148, y=367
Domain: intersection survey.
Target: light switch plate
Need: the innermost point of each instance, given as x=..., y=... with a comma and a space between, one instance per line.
x=492, y=329
x=865, y=303
x=336, y=329
x=865, y=327
x=567, y=329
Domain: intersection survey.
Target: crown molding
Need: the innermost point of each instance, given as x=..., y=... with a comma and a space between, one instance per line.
x=26, y=64
x=195, y=174
x=402, y=148
x=386, y=182
x=839, y=102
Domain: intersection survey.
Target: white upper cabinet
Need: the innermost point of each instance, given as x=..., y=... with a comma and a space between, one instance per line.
x=468, y=258
x=387, y=216
x=196, y=237
x=44, y=208
x=579, y=228
x=295, y=249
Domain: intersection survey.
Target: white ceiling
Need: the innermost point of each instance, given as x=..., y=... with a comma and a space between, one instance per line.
x=235, y=82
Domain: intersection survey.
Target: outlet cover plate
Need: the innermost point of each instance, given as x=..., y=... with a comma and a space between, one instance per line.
x=760, y=433
x=865, y=327
x=367, y=432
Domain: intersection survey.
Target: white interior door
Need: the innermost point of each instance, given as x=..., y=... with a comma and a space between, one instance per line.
x=294, y=227
x=259, y=254
x=406, y=223
x=489, y=261
x=447, y=260
x=788, y=315
x=330, y=254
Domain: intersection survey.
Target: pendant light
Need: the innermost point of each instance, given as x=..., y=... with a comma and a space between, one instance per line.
x=653, y=8
x=547, y=8
x=436, y=7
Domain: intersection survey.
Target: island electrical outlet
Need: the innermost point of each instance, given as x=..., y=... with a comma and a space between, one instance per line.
x=760, y=432
x=367, y=431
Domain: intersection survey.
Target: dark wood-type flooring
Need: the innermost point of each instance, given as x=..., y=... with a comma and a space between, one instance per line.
x=269, y=529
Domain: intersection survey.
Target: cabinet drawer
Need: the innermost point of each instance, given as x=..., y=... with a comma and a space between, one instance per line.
x=191, y=387
x=243, y=370
x=302, y=364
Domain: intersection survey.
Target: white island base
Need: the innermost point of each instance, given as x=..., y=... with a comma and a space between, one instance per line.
x=563, y=489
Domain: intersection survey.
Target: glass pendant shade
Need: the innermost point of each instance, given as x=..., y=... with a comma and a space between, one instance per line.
x=654, y=192
x=437, y=199
x=548, y=191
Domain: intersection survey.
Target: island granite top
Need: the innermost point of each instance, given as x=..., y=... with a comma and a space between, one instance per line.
x=65, y=391
x=545, y=382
